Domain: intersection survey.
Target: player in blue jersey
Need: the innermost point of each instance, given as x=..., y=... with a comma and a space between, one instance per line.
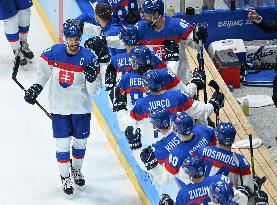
x=222, y=193
x=161, y=33
x=172, y=100
x=197, y=192
x=16, y=15
x=72, y=71
x=123, y=12
x=120, y=63
x=221, y=159
x=152, y=158
x=189, y=139
x=103, y=16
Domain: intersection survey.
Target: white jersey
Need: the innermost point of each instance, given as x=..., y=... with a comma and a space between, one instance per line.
x=69, y=92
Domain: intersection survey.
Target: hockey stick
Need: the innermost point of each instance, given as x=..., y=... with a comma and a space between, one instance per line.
x=215, y=86
x=252, y=155
x=14, y=74
x=201, y=67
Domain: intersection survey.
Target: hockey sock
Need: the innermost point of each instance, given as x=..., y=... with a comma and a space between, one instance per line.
x=24, y=23
x=78, y=152
x=12, y=32
x=63, y=155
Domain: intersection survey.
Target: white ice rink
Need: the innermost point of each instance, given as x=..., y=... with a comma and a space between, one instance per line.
x=28, y=170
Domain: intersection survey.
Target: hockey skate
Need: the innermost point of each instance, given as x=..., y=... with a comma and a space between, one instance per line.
x=67, y=185
x=28, y=54
x=78, y=177
x=23, y=60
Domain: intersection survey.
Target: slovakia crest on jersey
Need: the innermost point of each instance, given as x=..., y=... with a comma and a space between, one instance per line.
x=66, y=78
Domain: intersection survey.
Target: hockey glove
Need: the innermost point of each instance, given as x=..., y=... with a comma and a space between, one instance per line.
x=120, y=100
x=99, y=45
x=261, y=198
x=132, y=17
x=166, y=200
x=258, y=182
x=32, y=93
x=245, y=190
x=110, y=77
x=200, y=34
x=199, y=78
x=171, y=48
x=92, y=69
x=217, y=100
x=148, y=158
x=134, y=139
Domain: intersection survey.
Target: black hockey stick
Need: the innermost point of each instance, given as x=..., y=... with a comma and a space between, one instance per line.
x=215, y=86
x=252, y=155
x=14, y=74
x=201, y=67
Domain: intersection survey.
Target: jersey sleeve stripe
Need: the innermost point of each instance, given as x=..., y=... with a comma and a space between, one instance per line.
x=64, y=66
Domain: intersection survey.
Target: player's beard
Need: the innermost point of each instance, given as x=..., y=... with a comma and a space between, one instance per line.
x=74, y=48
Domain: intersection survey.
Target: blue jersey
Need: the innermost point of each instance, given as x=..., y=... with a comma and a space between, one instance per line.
x=131, y=83
x=220, y=161
x=163, y=147
x=175, y=29
x=122, y=63
x=197, y=193
x=112, y=30
x=9, y=8
x=172, y=100
x=119, y=8
x=203, y=136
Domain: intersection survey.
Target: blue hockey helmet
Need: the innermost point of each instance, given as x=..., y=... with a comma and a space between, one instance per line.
x=140, y=56
x=152, y=81
x=182, y=123
x=225, y=132
x=221, y=191
x=152, y=6
x=193, y=166
x=129, y=34
x=71, y=29
x=160, y=118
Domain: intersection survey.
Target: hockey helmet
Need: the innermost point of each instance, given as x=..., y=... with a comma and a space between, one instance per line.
x=221, y=191
x=152, y=6
x=71, y=29
x=182, y=123
x=140, y=56
x=152, y=81
x=193, y=166
x=225, y=133
x=160, y=118
x=129, y=34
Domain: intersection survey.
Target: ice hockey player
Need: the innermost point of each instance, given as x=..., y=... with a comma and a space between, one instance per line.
x=222, y=193
x=159, y=32
x=103, y=16
x=16, y=15
x=197, y=192
x=120, y=63
x=131, y=82
x=189, y=139
x=123, y=12
x=73, y=71
x=221, y=160
x=172, y=100
x=174, y=147
x=152, y=158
